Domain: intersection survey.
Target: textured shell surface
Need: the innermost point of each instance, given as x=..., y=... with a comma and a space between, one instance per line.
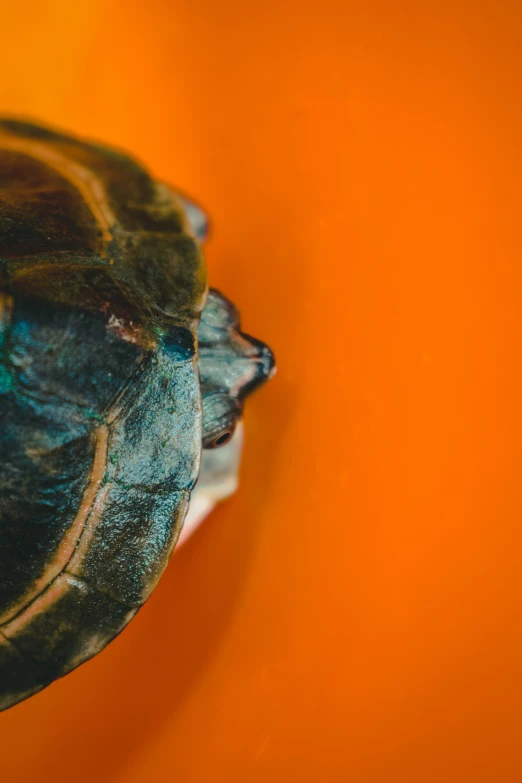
x=101, y=289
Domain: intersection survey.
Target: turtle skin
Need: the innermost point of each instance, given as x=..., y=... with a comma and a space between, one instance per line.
x=101, y=290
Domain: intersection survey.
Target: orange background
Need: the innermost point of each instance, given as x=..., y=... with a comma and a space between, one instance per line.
x=354, y=613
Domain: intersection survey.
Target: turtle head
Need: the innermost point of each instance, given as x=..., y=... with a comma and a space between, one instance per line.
x=231, y=365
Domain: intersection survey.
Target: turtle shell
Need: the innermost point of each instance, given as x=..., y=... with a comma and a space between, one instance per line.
x=101, y=289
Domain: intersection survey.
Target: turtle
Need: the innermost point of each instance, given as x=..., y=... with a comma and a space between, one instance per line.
x=122, y=380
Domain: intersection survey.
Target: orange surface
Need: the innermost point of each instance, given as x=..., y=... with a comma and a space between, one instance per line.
x=355, y=612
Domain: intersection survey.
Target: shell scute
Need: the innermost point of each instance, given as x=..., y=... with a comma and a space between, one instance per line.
x=128, y=540
x=60, y=195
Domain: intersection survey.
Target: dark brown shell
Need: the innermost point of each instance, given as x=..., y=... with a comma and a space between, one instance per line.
x=101, y=288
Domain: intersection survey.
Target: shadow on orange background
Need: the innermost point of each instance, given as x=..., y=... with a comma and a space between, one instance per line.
x=354, y=613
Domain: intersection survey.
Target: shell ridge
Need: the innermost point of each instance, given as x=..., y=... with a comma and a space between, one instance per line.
x=70, y=541
x=82, y=179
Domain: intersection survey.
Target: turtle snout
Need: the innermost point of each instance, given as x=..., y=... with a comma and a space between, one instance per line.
x=262, y=362
x=266, y=361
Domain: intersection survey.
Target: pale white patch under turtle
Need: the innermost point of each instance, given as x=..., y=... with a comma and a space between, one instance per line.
x=218, y=479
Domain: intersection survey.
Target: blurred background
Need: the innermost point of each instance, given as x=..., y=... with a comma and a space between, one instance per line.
x=355, y=612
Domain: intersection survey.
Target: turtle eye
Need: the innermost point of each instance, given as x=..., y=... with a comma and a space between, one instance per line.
x=220, y=415
x=222, y=438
